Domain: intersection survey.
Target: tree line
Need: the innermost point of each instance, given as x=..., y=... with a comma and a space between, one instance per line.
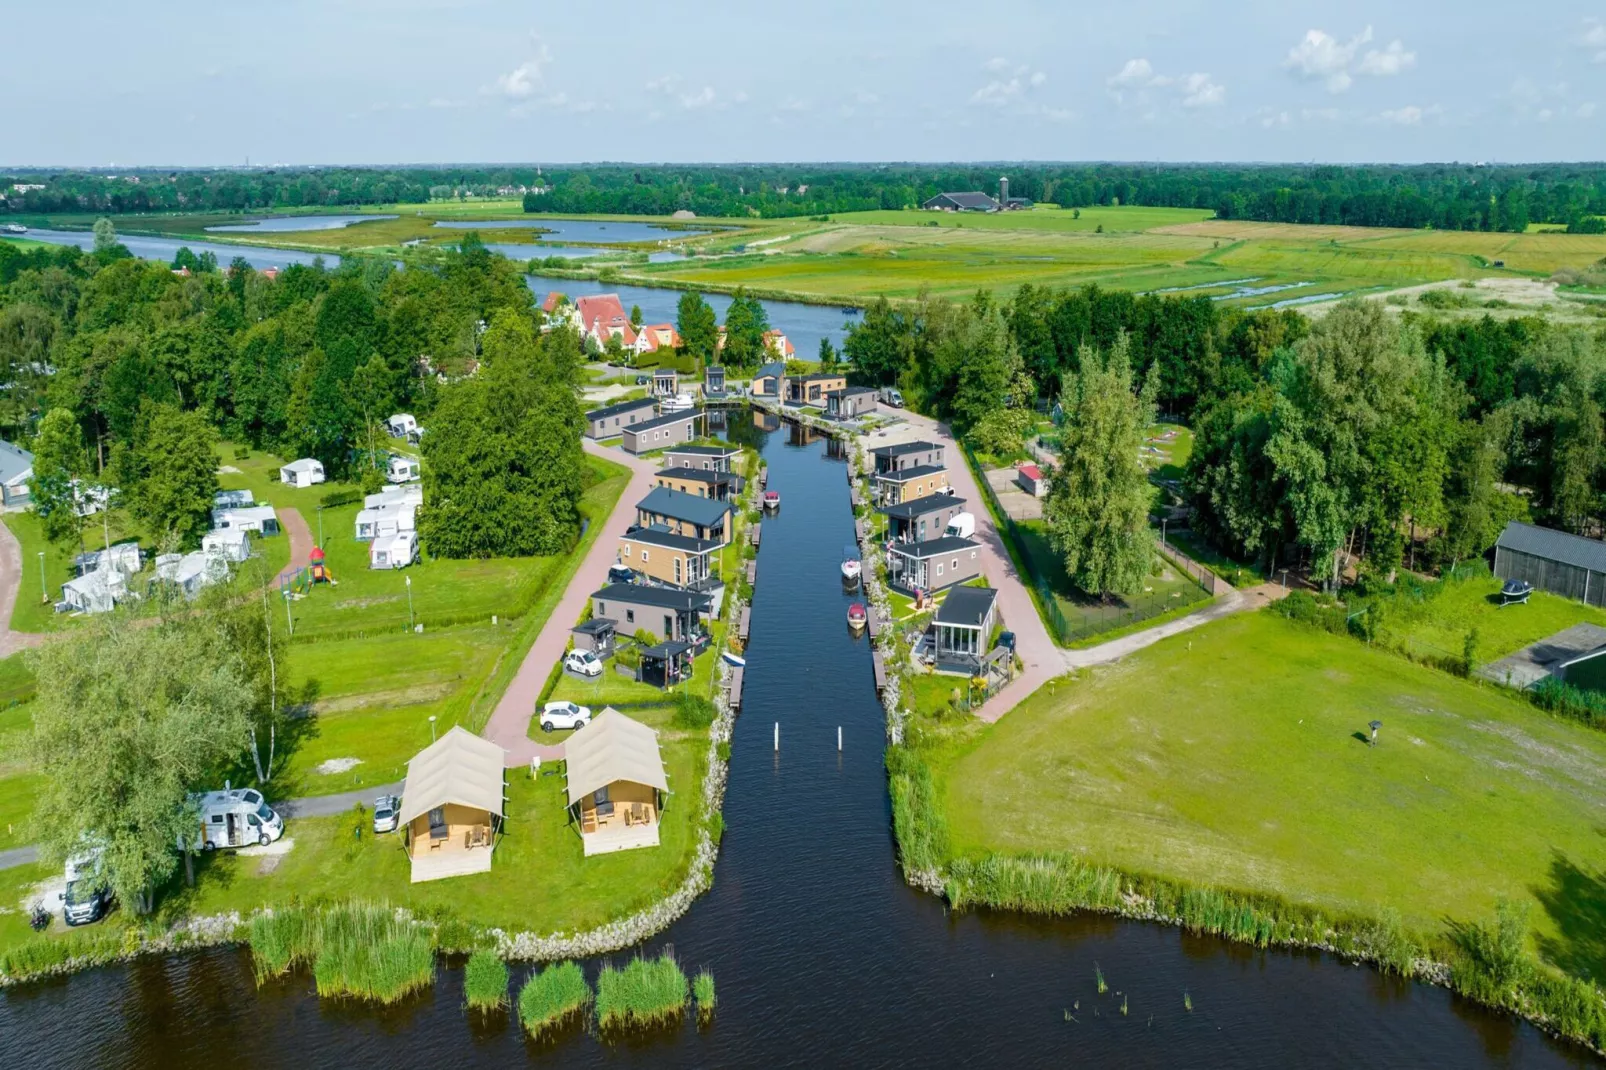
x=1363, y=435
x=1444, y=196
x=124, y=373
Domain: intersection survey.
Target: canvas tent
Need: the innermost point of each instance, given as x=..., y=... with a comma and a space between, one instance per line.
x=452, y=805
x=616, y=783
x=302, y=473
x=232, y=544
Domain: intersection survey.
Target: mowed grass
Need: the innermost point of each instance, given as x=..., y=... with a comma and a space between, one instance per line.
x=1046, y=217
x=1229, y=756
x=1439, y=625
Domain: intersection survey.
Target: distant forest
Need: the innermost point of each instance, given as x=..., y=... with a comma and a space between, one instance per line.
x=1444, y=196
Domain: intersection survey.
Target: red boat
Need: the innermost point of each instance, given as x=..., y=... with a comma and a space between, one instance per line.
x=772, y=499
x=857, y=616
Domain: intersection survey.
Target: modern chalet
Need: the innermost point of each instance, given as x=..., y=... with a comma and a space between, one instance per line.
x=685, y=514
x=611, y=420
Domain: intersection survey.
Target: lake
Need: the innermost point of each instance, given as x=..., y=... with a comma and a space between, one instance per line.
x=289, y=224
x=163, y=249
x=586, y=230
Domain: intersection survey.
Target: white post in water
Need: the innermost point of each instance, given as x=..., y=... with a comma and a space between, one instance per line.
x=839, y=739
x=777, y=737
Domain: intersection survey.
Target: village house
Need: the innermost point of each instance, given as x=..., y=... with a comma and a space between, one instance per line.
x=451, y=808
x=768, y=382
x=706, y=458
x=655, y=337
x=615, y=784
x=932, y=565
x=661, y=612
x=660, y=433
x=907, y=455
x=601, y=317
x=702, y=482
x=920, y=519
x=811, y=389
x=659, y=554
x=851, y=403
x=777, y=346
x=611, y=420
x=685, y=514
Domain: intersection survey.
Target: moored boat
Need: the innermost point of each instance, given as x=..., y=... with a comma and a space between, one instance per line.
x=857, y=616
x=772, y=499
x=734, y=659
x=850, y=565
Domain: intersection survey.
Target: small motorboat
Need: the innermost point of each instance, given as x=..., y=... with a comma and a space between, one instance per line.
x=772, y=499
x=735, y=659
x=14, y=228
x=850, y=564
x=678, y=403
x=857, y=617
x=1515, y=592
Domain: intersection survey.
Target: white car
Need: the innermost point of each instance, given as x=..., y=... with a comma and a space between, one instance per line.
x=387, y=813
x=583, y=662
x=559, y=715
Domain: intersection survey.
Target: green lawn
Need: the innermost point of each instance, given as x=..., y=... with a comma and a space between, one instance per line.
x=1230, y=756
x=1438, y=625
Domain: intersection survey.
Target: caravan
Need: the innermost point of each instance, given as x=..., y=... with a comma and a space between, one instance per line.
x=258, y=518
x=235, y=818
x=381, y=522
x=402, y=425
x=232, y=544
x=393, y=551
x=403, y=470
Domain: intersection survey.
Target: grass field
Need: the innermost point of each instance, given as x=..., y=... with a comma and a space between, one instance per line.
x=1438, y=624
x=1233, y=756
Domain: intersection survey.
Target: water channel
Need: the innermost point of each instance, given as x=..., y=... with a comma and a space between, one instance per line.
x=822, y=955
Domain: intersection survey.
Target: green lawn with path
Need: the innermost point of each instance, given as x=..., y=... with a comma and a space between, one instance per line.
x=1437, y=625
x=1233, y=755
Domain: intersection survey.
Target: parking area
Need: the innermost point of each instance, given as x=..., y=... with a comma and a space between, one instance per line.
x=1536, y=661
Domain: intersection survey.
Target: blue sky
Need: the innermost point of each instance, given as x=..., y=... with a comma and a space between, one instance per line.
x=374, y=81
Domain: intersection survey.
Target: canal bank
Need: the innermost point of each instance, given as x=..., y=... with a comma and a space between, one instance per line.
x=822, y=953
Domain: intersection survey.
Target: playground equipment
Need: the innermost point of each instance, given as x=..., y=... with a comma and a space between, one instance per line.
x=320, y=571
x=298, y=584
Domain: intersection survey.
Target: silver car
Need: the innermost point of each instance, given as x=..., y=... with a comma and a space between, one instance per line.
x=387, y=813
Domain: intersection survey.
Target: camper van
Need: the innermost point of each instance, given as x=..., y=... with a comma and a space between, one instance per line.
x=237, y=817
x=962, y=526
x=85, y=898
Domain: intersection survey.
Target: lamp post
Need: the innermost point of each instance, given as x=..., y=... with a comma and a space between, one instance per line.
x=410, y=624
x=320, y=525
x=1374, y=726
x=432, y=728
x=44, y=594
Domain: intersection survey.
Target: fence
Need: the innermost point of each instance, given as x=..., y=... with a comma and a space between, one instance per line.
x=1094, y=619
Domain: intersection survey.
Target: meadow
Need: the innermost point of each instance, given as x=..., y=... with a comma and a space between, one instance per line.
x=1234, y=756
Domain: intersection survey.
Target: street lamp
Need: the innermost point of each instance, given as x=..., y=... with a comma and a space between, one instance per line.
x=432, y=728
x=44, y=595
x=1374, y=726
x=320, y=525
x=410, y=624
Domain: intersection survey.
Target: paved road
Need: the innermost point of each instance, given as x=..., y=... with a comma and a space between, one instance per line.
x=509, y=723
x=18, y=856
x=301, y=541
x=331, y=805
x=10, y=583
x=1043, y=659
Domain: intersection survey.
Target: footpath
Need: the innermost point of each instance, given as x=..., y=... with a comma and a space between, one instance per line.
x=10, y=584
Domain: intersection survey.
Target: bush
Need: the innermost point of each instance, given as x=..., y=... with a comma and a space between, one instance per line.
x=552, y=996
x=693, y=711
x=1574, y=703
x=1306, y=608
x=336, y=498
x=485, y=981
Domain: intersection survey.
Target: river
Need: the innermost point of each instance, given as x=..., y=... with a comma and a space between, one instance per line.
x=162, y=249
x=823, y=957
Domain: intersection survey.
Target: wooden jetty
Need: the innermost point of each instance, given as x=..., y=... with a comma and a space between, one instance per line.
x=880, y=671
x=864, y=533
x=745, y=626
x=858, y=496
x=873, y=622
x=752, y=534
x=752, y=571
x=764, y=476
x=734, y=686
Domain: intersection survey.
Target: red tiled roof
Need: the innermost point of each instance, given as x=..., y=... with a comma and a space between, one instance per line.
x=553, y=300
x=602, y=315
x=1031, y=471
x=660, y=334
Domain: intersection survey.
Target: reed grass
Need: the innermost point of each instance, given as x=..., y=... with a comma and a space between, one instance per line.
x=645, y=992
x=282, y=940
x=356, y=949
x=1098, y=979
x=702, y=987
x=1187, y=1001
x=553, y=996
x=485, y=981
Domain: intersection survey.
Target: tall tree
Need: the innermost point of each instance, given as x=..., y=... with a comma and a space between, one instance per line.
x=1097, y=511
x=697, y=326
x=173, y=474
x=59, y=462
x=105, y=236
x=745, y=324
x=879, y=344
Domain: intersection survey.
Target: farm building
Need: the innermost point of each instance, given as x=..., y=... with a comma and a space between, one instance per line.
x=302, y=473
x=975, y=201
x=932, y=565
x=402, y=425
x=1554, y=561
x=661, y=612
x=685, y=514
x=452, y=805
x=660, y=554
x=258, y=518
x=616, y=784
x=16, y=469
x=1031, y=480
x=611, y=420
x=706, y=458
x=393, y=551
x=660, y=433
x=768, y=382
x=848, y=404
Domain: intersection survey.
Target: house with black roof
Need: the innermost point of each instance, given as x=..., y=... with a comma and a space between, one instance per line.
x=702, y=482
x=975, y=201
x=657, y=553
x=919, y=453
x=1569, y=565
x=707, y=458
x=920, y=519
x=685, y=514
x=676, y=429
x=769, y=382
x=963, y=629
x=850, y=402
x=665, y=613
x=932, y=565
x=714, y=382
x=611, y=420
x=811, y=389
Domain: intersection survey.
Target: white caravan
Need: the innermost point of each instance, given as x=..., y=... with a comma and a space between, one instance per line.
x=237, y=817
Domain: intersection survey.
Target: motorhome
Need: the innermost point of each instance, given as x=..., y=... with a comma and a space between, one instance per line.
x=402, y=425
x=235, y=817
x=85, y=897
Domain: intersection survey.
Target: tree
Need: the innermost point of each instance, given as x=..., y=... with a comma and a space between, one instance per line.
x=745, y=324
x=173, y=473
x=697, y=326
x=878, y=345
x=635, y=317
x=828, y=359
x=129, y=721
x=1097, y=511
x=58, y=461
x=105, y=236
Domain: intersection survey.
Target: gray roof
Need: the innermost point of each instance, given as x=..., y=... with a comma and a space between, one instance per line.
x=594, y=626
x=14, y=461
x=934, y=547
x=968, y=606
x=973, y=200
x=1554, y=545
x=931, y=503
x=692, y=508
x=904, y=475
x=658, y=535
x=701, y=475
x=777, y=370
x=704, y=451
x=919, y=446
x=850, y=391
x=620, y=408
x=662, y=421
x=639, y=594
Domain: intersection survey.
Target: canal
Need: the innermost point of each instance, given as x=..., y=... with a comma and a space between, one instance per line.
x=823, y=957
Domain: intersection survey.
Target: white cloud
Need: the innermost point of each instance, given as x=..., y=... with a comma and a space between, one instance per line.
x=1038, y=78
x=523, y=81
x=864, y=96
x=998, y=64
x=1200, y=92
x=702, y=98
x=1390, y=61
x=740, y=96
x=1410, y=115
x=1002, y=92
x=794, y=104
x=1136, y=72
x=662, y=84
x=1320, y=56
x=997, y=94
x=1275, y=120
x=1586, y=110
x=1594, y=39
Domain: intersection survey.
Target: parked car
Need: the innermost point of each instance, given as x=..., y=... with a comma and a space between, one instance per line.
x=560, y=715
x=583, y=662
x=621, y=574
x=387, y=813
x=892, y=396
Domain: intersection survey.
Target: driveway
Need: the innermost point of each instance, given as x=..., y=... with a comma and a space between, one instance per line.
x=510, y=721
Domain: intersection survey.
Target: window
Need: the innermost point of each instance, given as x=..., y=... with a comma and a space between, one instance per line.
x=602, y=609
x=669, y=626
x=630, y=616
x=939, y=568
x=677, y=569
x=954, y=564
x=644, y=556
x=600, y=796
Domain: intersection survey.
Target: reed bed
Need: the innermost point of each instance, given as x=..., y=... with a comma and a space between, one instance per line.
x=702, y=987
x=361, y=950
x=645, y=992
x=485, y=981
x=553, y=996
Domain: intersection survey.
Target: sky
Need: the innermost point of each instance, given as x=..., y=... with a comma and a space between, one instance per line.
x=434, y=81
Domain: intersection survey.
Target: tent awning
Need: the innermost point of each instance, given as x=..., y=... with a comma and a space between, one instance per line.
x=460, y=768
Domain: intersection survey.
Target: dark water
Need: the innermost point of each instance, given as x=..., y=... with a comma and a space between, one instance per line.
x=289, y=224
x=586, y=230
x=822, y=956
x=804, y=325
x=163, y=248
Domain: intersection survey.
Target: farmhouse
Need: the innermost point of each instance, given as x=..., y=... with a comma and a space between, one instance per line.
x=932, y=565
x=660, y=554
x=660, y=432
x=452, y=805
x=706, y=458
x=16, y=469
x=961, y=202
x=302, y=473
x=685, y=514
x=1554, y=561
x=657, y=336
x=661, y=612
x=602, y=317
x=611, y=420
x=702, y=482
x=920, y=519
x=615, y=783
x=853, y=402
x=767, y=383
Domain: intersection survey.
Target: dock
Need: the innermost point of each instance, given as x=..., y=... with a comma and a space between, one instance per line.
x=873, y=622
x=734, y=686
x=752, y=534
x=858, y=496
x=864, y=533
x=745, y=626
x=752, y=571
x=880, y=671
x=764, y=476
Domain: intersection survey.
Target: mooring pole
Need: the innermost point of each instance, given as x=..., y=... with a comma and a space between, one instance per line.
x=839, y=739
x=777, y=737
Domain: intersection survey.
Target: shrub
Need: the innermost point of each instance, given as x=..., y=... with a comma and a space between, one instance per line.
x=693, y=710
x=553, y=996
x=485, y=981
x=703, y=988
x=336, y=498
x=645, y=992
x=1306, y=608
x=1574, y=703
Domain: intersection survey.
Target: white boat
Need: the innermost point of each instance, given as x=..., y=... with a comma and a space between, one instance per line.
x=772, y=499
x=734, y=659
x=678, y=403
x=14, y=228
x=857, y=617
x=850, y=564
